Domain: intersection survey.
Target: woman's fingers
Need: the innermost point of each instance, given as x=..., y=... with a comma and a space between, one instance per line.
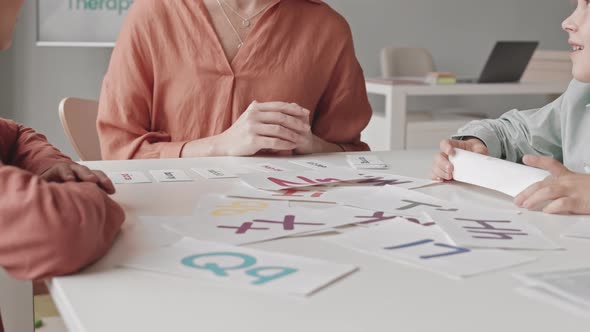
x=282, y=119
x=285, y=108
x=273, y=144
x=277, y=131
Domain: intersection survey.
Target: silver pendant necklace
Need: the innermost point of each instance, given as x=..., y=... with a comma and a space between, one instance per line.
x=231, y=25
x=246, y=21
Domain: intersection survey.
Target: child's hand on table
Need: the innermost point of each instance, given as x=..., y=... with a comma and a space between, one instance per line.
x=567, y=192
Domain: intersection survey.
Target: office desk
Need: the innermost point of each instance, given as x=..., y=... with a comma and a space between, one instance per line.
x=392, y=123
x=381, y=296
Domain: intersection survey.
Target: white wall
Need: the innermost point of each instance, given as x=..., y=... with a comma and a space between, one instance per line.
x=5, y=86
x=460, y=34
x=43, y=76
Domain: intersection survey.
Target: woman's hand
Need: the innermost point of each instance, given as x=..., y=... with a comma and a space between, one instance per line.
x=70, y=172
x=272, y=126
x=442, y=168
x=567, y=192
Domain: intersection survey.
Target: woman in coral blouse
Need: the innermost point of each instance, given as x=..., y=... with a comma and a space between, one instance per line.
x=193, y=78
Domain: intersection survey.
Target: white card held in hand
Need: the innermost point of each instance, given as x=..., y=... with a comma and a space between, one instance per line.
x=365, y=162
x=426, y=247
x=314, y=164
x=170, y=175
x=242, y=267
x=298, y=179
x=268, y=168
x=214, y=173
x=128, y=177
x=493, y=173
x=486, y=228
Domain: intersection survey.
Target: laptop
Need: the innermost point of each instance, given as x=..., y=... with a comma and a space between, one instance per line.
x=506, y=63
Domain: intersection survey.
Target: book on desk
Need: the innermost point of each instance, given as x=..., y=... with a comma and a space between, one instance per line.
x=433, y=78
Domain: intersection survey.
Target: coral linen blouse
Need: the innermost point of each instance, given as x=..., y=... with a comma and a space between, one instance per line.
x=169, y=81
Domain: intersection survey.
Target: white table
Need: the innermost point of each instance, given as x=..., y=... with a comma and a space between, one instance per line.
x=391, y=125
x=382, y=296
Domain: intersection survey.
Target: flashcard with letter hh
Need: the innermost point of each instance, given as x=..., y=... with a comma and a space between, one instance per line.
x=128, y=177
x=242, y=267
x=284, y=180
x=170, y=175
x=214, y=173
x=426, y=247
x=486, y=228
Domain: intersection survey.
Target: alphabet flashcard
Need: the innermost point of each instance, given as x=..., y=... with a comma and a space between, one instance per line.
x=242, y=267
x=426, y=247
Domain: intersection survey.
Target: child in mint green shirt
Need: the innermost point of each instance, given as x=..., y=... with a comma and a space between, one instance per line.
x=555, y=137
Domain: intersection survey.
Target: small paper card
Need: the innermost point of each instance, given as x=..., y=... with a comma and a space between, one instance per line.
x=243, y=221
x=572, y=284
x=365, y=162
x=214, y=173
x=128, y=177
x=311, y=194
x=384, y=179
x=221, y=206
x=298, y=179
x=545, y=295
x=170, y=175
x=493, y=173
x=426, y=247
x=486, y=228
x=242, y=267
x=314, y=164
x=397, y=200
x=581, y=229
x=268, y=168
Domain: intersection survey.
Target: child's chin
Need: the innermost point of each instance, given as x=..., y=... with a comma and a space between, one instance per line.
x=582, y=74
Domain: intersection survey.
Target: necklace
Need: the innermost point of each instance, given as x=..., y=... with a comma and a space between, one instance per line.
x=231, y=25
x=246, y=21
